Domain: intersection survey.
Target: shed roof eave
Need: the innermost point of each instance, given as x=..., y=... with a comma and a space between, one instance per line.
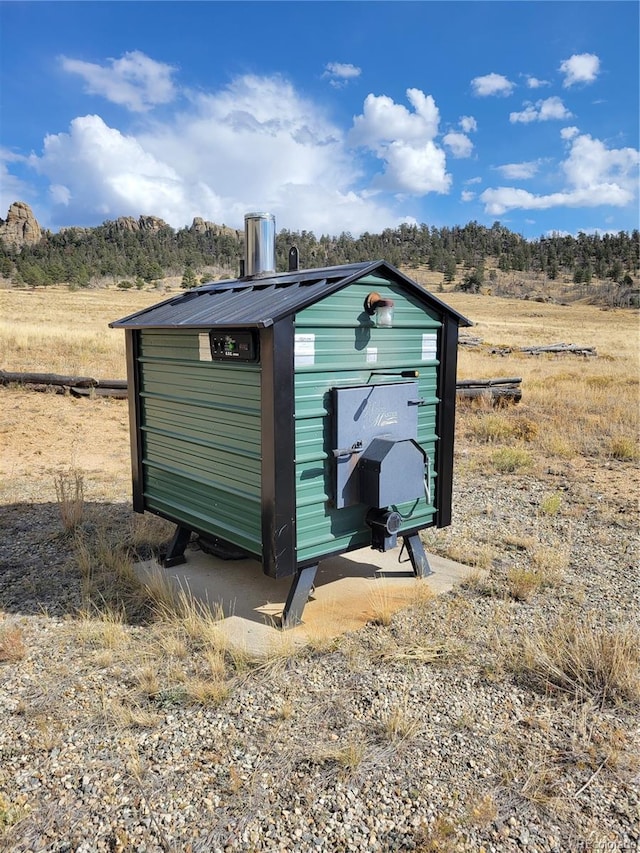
x=246, y=301
x=255, y=324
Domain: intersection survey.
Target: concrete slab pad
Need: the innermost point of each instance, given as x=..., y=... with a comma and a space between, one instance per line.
x=350, y=590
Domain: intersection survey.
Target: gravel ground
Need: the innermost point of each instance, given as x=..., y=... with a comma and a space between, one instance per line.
x=426, y=734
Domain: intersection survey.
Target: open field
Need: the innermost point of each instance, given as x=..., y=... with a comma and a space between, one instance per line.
x=502, y=716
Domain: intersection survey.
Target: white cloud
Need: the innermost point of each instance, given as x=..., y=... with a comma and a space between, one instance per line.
x=459, y=144
x=497, y=201
x=404, y=141
x=518, y=171
x=134, y=81
x=468, y=124
x=60, y=194
x=257, y=144
x=569, y=132
x=12, y=188
x=492, y=84
x=580, y=68
x=97, y=168
x=596, y=175
x=535, y=83
x=467, y=195
x=476, y=180
x=414, y=169
x=340, y=73
x=544, y=110
x=384, y=121
x=591, y=164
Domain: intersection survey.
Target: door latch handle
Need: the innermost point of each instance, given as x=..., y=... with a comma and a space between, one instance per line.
x=342, y=452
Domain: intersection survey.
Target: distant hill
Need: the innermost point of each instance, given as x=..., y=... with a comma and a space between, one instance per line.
x=134, y=252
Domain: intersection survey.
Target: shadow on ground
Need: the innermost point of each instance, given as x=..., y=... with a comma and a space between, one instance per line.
x=39, y=572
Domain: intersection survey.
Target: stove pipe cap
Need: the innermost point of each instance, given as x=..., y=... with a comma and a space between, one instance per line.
x=260, y=244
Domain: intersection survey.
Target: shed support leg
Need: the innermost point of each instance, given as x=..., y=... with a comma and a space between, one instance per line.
x=174, y=555
x=301, y=587
x=417, y=555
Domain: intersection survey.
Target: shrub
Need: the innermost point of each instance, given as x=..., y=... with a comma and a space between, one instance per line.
x=491, y=428
x=550, y=504
x=509, y=460
x=624, y=449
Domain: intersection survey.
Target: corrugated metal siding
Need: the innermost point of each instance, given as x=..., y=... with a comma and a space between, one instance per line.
x=201, y=428
x=342, y=348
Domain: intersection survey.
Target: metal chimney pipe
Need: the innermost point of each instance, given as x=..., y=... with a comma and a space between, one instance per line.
x=260, y=244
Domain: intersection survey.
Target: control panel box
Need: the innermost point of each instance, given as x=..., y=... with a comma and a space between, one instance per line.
x=233, y=345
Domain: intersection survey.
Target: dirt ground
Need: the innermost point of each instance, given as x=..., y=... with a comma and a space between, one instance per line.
x=45, y=434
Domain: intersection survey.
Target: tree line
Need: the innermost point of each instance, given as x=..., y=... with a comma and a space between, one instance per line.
x=78, y=256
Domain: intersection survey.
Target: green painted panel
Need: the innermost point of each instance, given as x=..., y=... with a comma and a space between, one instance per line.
x=201, y=428
x=346, y=350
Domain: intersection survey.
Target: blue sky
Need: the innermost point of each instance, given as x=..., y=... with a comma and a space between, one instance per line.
x=335, y=116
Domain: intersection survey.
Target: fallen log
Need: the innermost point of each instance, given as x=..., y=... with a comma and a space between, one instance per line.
x=500, y=390
x=7, y=377
x=486, y=383
x=113, y=383
x=469, y=341
x=558, y=349
x=115, y=393
x=497, y=394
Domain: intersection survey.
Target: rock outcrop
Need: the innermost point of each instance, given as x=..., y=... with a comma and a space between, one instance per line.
x=203, y=226
x=143, y=223
x=20, y=228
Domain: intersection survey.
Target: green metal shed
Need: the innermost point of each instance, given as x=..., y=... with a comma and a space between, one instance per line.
x=293, y=416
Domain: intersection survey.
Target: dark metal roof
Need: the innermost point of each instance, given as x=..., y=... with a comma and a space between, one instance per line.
x=260, y=302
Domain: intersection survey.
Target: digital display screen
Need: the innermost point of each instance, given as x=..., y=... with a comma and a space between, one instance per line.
x=232, y=345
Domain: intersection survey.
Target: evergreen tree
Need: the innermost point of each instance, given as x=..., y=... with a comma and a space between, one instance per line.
x=189, y=279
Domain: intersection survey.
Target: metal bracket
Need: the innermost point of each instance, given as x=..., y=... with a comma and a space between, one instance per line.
x=299, y=592
x=340, y=452
x=417, y=555
x=174, y=555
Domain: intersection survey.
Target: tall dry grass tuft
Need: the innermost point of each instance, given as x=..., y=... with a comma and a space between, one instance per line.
x=585, y=661
x=12, y=646
x=109, y=581
x=176, y=607
x=69, y=486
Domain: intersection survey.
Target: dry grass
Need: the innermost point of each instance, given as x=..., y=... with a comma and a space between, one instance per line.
x=49, y=345
x=69, y=486
x=399, y=724
x=441, y=836
x=546, y=570
x=11, y=812
x=571, y=406
x=109, y=582
x=12, y=646
x=587, y=662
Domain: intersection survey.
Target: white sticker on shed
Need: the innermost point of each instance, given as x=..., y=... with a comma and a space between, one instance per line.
x=205, y=346
x=304, y=349
x=429, y=346
x=372, y=354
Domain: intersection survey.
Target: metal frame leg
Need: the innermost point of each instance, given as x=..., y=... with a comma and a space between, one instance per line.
x=417, y=555
x=301, y=587
x=174, y=555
